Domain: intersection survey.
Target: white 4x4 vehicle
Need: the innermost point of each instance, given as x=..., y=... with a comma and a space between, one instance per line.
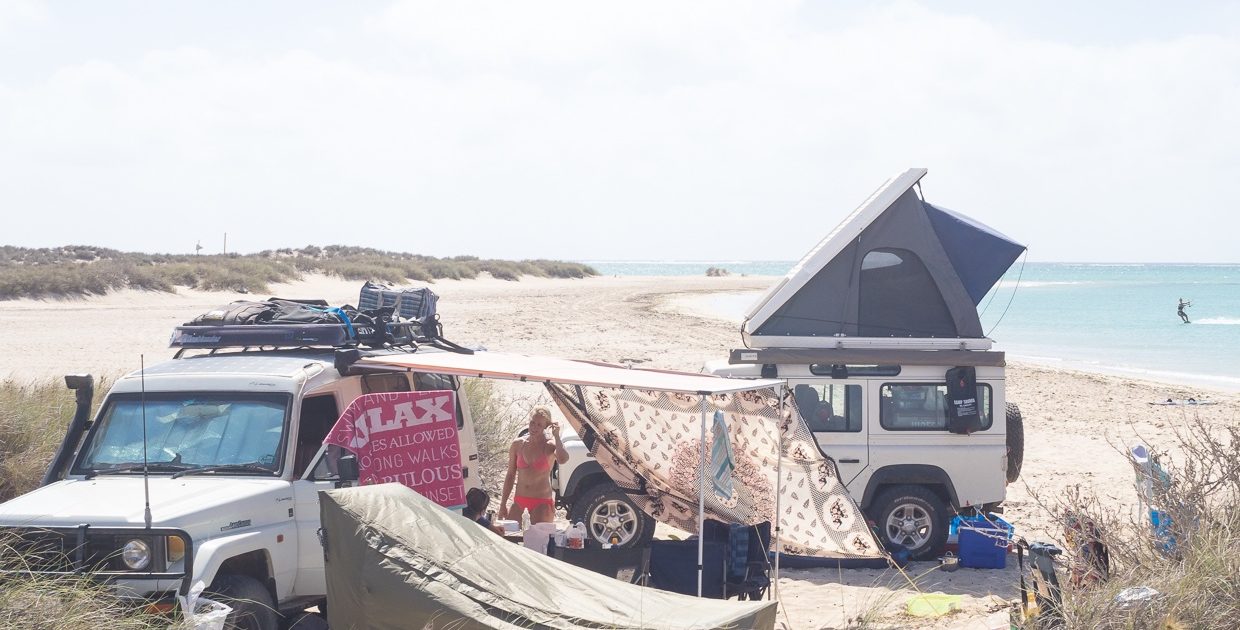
x=886, y=427
x=866, y=329
x=236, y=461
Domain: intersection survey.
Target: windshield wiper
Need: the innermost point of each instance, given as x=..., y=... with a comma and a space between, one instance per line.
x=250, y=467
x=151, y=467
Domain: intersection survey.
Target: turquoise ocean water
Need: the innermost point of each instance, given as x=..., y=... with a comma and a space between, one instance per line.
x=1113, y=318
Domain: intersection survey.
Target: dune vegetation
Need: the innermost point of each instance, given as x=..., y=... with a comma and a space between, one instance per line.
x=1190, y=562
x=78, y=270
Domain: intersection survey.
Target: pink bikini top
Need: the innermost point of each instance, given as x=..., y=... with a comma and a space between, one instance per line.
x=522, y=463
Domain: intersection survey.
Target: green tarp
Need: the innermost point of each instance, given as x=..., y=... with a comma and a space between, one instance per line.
x=397, y=560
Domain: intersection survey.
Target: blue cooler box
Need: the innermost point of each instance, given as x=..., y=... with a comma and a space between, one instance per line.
x=983, y=542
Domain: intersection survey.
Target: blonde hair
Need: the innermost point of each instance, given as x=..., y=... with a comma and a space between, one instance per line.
x=541, y=411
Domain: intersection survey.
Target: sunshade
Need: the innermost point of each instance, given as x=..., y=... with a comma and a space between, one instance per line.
x=568, y=372
x=397, y=560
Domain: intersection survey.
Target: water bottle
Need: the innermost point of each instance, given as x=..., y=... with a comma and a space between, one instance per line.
x=525, y=520
x=577, y=536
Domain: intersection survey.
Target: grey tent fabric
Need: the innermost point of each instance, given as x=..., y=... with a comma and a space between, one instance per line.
x=397, y=560
x=915, y=270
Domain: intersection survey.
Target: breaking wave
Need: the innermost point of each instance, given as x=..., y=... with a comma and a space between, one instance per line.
x=1219, y=321
x=1030, y=284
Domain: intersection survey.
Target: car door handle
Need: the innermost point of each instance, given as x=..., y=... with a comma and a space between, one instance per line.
x=850, y=461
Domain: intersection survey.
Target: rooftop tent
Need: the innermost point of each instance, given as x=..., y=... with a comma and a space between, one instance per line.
x=896, y=267
x=395, y=559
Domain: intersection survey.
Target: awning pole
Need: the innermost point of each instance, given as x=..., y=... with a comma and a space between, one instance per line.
x=702, y=496
x=779, y=480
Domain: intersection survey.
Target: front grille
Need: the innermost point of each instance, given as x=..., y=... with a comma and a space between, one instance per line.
x=63, y=550
x=92, y=551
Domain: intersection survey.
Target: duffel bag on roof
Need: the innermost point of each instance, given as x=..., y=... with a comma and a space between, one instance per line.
x=417, y=304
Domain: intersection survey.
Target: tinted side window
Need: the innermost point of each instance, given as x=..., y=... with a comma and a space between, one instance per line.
x=380, y=383
x=318, y=416
x=829, y=408
x=923, y=406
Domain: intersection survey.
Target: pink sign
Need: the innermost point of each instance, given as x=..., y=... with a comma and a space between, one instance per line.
x=406, y=437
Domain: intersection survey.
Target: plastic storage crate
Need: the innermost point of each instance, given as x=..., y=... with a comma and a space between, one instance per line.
x=983, y=542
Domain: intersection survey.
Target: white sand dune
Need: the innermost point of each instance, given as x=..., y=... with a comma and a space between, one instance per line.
x=1073, y=420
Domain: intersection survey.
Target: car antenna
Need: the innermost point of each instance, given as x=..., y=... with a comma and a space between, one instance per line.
x=146, y=473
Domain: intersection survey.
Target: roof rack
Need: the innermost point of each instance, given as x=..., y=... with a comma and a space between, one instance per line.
x=296, y=335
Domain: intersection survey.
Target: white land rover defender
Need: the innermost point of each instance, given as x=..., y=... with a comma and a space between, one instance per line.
x=235, y=464
x=883, y=417
x=866, y=329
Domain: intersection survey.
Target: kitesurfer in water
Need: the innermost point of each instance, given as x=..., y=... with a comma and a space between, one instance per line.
x=1180, y=310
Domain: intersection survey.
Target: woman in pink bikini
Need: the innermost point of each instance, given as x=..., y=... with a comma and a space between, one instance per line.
x=529, y=466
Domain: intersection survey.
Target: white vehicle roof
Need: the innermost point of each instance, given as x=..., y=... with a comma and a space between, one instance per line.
x=240, y=371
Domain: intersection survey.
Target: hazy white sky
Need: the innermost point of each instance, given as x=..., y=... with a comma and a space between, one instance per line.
x=632, y=130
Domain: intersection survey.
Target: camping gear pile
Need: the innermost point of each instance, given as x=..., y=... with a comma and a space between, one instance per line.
x=385, y=317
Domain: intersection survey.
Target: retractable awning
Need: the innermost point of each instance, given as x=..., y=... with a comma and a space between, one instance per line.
x=567, y=371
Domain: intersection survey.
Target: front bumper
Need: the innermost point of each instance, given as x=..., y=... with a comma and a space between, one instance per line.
x=92, y=552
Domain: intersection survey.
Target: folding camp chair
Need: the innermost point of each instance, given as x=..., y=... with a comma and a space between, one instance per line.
x=1043, y=601
x=746, y=561
x=673, y=567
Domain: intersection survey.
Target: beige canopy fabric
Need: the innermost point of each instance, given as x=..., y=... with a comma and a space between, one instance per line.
x=648, y=443
x=651, y=427
x=567, y=371
x=397, y=560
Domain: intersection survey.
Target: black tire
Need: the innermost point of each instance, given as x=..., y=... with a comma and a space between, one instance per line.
x=925, y=515
x=307, y=621
x=251, y=602
x=1015, y=442
x=594, y=505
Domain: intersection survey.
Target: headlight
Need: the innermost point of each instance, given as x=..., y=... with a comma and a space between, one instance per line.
x=136, y=554
x=176, y=548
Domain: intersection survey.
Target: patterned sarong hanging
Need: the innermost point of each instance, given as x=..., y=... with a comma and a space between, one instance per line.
x=648, y=443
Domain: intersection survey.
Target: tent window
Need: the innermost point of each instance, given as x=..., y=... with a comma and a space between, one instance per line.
x=899, y=298
x=923, y=406
x=829, y=408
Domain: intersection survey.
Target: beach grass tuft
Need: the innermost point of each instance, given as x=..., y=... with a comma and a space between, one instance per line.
x=1193, y=564
x=78, y=270
x=33, y=420
x=497, y=420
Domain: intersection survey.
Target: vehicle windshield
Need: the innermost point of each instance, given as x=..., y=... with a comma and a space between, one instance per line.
x=188, y=430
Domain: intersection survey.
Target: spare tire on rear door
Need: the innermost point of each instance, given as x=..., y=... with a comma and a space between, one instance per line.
x=1015, y=442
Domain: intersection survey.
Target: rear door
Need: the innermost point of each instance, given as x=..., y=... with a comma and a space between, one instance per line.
x=834, y=411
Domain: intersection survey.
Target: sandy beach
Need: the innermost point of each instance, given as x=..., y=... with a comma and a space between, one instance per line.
x=1074, y=421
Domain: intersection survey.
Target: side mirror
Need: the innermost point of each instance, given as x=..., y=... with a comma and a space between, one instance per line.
x=348, y=467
